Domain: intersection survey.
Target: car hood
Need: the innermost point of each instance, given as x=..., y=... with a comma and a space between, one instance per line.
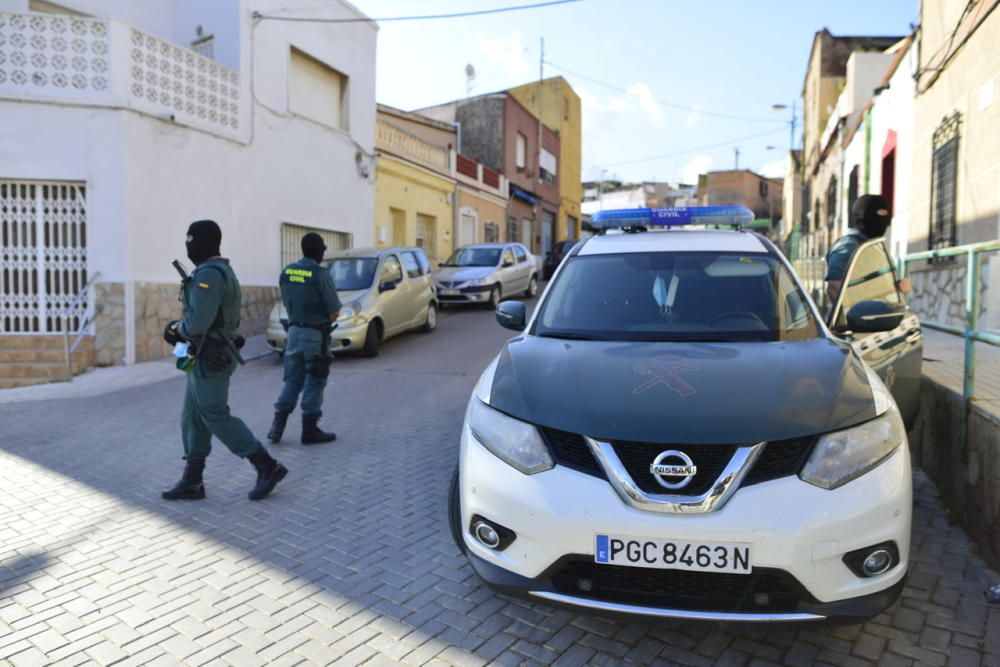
x=688, y=393
x=278, y=311
x=462, y=274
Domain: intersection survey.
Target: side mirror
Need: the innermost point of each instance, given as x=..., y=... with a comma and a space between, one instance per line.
x=506, y=263
x=512, y=315
x=874, y=316
x=387, y=286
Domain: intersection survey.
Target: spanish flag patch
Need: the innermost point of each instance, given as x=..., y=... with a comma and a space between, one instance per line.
x=204, y=285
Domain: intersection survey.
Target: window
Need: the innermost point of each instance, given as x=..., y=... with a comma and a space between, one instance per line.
x=549, y=168
x=491, y=232
x=570, y=227
x=391, y=270
x=852, y=190
x=512, y=228
x=696, y=296
x=317, y=91
x=425, y=266
x=521, y=155
x=291, y=241
x=831, y=206
x=354, y=273
x=508, y=257
x=762, y=189
x=944, y=177
x=520, y=254
x=411, y=265
x=870, y=278
x=204, y=46
x=475, y=256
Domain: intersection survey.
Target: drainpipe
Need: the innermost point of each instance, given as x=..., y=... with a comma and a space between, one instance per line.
x=868, y=151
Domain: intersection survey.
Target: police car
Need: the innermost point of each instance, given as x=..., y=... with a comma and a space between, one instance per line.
x=677, y=432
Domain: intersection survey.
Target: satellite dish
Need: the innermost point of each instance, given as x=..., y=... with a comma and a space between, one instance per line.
x=470, y=71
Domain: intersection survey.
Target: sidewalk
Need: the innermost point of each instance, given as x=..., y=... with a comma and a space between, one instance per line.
x=944, y=363
x=100, y=381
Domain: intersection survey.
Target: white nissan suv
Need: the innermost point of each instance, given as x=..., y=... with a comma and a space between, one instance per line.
x=677, y=432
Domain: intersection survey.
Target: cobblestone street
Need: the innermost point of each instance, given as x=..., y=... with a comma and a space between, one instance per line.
x=351, y=560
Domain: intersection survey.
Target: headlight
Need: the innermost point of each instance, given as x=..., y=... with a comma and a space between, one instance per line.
x=346, y=313
x=478, y=282
x=513, y=441
x=846, y=455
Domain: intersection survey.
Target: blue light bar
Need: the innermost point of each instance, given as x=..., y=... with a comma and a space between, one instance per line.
x=672, y=217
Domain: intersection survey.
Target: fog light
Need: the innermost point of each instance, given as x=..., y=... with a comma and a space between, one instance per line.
x=486, y=534
x=761, y=599
x=873, y=560
x=490, y=533
x=878, y=562
x=585, y=585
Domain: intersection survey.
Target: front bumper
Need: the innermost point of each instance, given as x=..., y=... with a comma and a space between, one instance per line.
x=793, y=528
x=346, y=337
x=464, y=295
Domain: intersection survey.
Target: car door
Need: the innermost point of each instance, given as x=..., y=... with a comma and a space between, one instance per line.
x=508, y=271
x=393, y=295
x=895, y=355
x=525, y=267
x=418, y=287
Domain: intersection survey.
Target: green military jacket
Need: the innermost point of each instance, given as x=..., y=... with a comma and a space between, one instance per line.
x=839, y=257
x=212, y=300
x=308, y=293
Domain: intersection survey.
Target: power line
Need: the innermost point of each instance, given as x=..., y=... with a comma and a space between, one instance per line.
x=690, y=150
x=423, y=17
x=672, y=105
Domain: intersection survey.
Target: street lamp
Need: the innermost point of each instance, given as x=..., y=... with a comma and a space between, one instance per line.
x=791, y=122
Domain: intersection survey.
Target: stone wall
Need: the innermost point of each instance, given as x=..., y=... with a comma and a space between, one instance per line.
x=109, y=324
x=967, y=474
x=939, y=293
x=158, y=303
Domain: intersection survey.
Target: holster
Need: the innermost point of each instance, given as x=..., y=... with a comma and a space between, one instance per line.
x=213, y=354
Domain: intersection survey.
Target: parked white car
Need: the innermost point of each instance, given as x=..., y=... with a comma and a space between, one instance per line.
x=487, y=273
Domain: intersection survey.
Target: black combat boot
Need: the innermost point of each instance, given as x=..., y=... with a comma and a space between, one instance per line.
x=190, y=487
x=269, y=473
x=277, y=426
x=312, y=434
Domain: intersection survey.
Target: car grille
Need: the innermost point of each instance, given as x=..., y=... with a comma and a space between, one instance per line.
x=448, y=284
x=764, y=589
x=780, y=458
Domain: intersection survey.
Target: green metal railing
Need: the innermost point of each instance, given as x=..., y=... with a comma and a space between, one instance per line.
x=972, y=333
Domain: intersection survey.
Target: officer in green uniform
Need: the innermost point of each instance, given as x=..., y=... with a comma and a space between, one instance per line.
x=211, y=299
x=310, y=298
x=870, y=216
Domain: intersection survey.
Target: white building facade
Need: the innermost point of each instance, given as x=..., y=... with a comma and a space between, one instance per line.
x=125, y=121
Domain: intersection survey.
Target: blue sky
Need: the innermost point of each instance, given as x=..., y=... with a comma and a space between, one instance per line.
x=735, y=57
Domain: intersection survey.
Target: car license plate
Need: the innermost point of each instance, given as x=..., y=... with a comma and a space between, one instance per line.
x=730, y=557
x=448, y=292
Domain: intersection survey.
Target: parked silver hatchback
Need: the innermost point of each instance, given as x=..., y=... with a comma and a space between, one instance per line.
x=385, y=292
x=486, y=273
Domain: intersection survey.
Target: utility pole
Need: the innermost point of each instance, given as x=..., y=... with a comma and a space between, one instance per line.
x=736, y=151
x=541, y=107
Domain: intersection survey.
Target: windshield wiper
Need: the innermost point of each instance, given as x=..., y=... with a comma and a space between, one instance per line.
x=569, y=335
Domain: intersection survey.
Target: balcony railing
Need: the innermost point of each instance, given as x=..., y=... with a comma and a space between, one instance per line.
x=394, y=140
x=69, y=59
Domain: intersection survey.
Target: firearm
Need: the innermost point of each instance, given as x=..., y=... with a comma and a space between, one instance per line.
x=180, y=270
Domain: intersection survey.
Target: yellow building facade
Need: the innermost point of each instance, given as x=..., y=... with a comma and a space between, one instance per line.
x=414, y=195
x=558, y=106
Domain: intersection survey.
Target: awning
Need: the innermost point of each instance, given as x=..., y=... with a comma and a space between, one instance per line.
x=523, y=195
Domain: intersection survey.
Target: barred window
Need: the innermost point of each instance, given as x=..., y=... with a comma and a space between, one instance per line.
x=491, y=232
x=831, y=206
x=944, y=179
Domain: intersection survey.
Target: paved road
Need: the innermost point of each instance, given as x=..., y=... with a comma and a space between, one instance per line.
x=351, y=560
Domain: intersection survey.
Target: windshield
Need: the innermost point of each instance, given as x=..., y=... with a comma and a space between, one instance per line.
x=474, y=257
x=689, y=296
x=354, y=273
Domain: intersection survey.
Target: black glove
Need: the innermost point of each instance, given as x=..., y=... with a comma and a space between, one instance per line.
x=171, y=332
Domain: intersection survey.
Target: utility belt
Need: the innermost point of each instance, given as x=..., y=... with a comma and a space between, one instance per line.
x=212, y=351
x=319, y=366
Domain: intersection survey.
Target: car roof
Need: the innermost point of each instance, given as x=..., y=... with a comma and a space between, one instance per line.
x=488, y=245
x=368, y=252
x=674, y=240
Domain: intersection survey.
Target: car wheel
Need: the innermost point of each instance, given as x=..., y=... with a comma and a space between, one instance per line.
x=532, y=288
x=371, y=340
x=455, y=513
x=494, y=300
x=432, y=319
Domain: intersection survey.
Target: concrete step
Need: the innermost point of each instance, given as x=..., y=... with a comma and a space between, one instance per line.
x=34, y=342
x=26, y=360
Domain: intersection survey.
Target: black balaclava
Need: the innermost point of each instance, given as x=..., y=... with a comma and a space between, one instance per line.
x=313, y=246
x=871, y=215
x=204, y=240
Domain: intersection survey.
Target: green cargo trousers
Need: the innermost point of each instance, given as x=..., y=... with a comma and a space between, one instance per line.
x=206, y=413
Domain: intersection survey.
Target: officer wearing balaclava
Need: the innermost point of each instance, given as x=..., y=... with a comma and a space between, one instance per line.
x=870, y=217
x=311, y=301
x=211, y=298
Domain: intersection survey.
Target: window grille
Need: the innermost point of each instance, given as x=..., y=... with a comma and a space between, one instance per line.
x=291, y=241
x=944, y=182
